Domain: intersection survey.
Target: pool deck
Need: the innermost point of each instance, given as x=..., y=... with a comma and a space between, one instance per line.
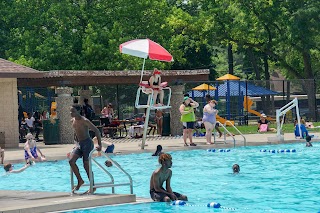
x=26, y=201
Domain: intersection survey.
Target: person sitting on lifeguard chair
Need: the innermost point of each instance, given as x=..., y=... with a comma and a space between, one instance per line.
x=156, y=85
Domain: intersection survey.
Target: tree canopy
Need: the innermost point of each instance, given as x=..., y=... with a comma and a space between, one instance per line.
x=86, y=34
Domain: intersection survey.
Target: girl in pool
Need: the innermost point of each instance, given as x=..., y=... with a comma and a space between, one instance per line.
x=9, y=168
x=31, y=150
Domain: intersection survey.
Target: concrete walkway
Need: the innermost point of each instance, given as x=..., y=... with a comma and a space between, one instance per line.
x=126, y=146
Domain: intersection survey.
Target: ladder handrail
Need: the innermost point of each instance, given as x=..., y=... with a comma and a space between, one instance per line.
x=225, y=129
x=231, y=124
x=109, y=184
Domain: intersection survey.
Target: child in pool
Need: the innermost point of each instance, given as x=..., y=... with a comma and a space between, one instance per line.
x=236, y=169
x=308, y=143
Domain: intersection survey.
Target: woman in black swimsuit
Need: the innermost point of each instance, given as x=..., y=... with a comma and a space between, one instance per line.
x=155, y=83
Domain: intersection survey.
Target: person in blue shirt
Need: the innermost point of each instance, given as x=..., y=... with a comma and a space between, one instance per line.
x=303, y=128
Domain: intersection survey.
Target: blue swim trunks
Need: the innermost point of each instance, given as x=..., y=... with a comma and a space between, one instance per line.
x=84, y=149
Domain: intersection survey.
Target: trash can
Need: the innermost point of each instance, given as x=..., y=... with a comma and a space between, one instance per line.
x=51, y=133
x=166, y=124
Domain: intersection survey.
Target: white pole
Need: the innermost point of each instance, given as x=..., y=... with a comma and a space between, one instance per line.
x=144, y=61
x=278, y=123
x=146, y=120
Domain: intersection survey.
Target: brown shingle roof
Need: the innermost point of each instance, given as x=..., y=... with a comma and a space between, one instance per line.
x=9, y=69
x=103, y=77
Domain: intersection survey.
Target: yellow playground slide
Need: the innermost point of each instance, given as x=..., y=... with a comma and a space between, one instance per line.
x=223, y=120
x=247, y=104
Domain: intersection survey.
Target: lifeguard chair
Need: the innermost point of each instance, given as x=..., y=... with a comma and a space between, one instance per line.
x=145, y=88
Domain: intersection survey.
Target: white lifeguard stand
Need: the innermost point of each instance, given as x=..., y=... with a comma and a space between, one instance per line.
x=150, y=105
x=282, y=112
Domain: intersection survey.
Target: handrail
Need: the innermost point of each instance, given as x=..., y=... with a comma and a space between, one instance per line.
x=225, y=129
x=244, y=138
x=106, y=184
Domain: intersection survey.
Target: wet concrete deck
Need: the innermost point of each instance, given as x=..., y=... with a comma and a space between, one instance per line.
x=38, y=202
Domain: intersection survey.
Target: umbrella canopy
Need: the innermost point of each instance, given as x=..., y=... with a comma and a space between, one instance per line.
x=228, y=77
x=144, y=48
x=204, y=87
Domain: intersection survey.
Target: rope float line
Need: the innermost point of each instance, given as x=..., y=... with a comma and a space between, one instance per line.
x=213, y=205
x=266, y=150
x=209, y=205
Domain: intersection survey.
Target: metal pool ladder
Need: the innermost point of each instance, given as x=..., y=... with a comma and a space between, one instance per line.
x=102, y=167
x=227, y=131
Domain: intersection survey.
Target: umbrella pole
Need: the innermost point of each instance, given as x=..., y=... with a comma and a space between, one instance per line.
x=144, y=61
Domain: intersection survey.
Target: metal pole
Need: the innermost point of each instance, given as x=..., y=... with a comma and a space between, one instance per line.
x=144, y=61
x=146, y=121
x=117, y=99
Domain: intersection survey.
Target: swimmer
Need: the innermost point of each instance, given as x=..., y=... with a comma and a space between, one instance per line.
x=9, y=168
x=236, y=168
x=308, y=143
x=158, y=151
x=161, y=175
x=108, y=163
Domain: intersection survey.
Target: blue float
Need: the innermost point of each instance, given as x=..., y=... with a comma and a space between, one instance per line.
x=278, y=151
x=213, y=205
x=219, y=150
x=178, y=203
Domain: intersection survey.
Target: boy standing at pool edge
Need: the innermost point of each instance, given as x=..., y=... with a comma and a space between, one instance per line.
x=81, y=126
x=161, y=175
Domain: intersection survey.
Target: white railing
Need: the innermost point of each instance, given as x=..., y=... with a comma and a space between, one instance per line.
x=282, y=112
x=94, y=185
x=231, y=124
x=225, y=131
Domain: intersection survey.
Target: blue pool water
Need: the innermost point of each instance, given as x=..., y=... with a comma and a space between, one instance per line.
x=280, y=182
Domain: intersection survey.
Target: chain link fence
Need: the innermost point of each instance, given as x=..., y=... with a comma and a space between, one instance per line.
x=263, y=97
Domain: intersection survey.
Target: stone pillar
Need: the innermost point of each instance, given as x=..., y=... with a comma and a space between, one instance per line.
x=176, y=101
x=64, y=101
x=85, y=94
x=9, y=124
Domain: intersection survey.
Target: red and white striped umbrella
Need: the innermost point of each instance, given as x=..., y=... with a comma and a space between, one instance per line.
x=145, y=48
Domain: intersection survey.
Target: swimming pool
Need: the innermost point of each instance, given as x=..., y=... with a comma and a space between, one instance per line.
x=268, y=182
